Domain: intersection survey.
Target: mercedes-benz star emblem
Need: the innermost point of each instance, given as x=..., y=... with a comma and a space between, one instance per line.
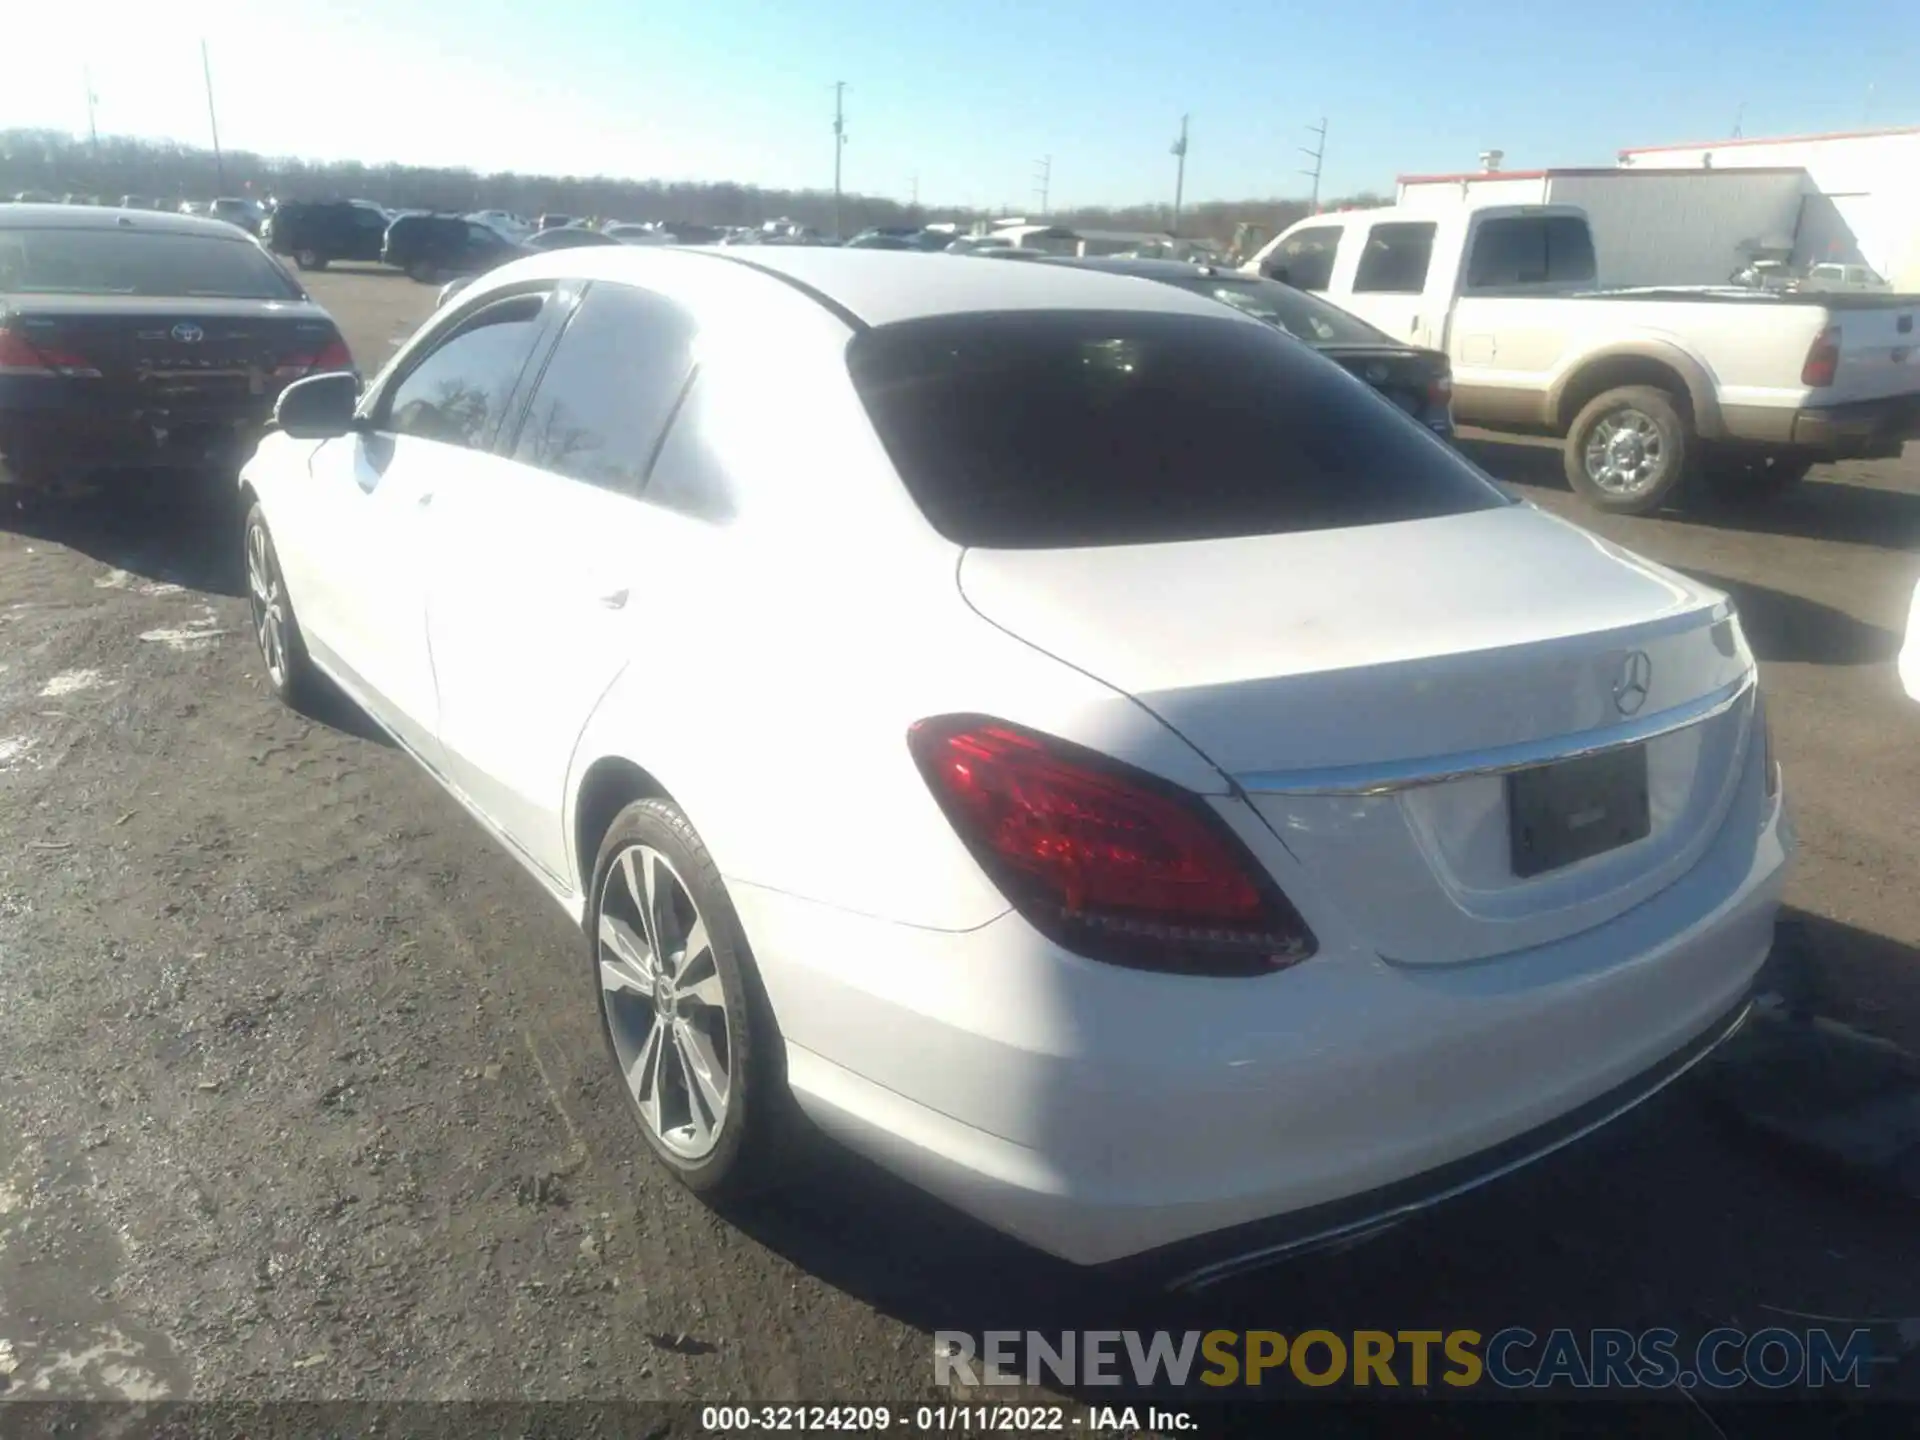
x=188, y=333
x=1636, y=679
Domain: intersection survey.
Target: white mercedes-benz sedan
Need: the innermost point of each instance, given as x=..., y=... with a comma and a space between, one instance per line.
x=1072, y=742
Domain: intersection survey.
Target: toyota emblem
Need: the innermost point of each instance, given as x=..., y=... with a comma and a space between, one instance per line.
x=188, y=333
x=1636, y=679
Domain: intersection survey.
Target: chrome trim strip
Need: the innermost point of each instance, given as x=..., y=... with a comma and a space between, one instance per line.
x=1363, y=1228
x=1395, y=775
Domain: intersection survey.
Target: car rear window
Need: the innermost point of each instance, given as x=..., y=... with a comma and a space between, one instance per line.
x=134, y=262
x=1058, y=429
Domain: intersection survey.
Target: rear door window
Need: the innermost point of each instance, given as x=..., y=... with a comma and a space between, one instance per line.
x=1521, y=251
x=1054, y=429
x=1395, y=258
x=1306, y=258
x=608, y=392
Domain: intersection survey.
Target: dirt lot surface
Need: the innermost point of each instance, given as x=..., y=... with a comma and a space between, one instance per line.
x=301, y=1093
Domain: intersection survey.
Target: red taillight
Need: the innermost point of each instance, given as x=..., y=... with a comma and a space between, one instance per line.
x=333, y=355
x=20, y=356
x=1107, y=860
x=1823, y=359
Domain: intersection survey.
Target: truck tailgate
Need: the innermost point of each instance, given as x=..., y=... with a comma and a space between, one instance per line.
x=1879, y=351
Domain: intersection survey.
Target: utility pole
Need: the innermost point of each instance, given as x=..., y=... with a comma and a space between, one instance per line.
x=1179, y=175
x=1739, y=116
x=219, y=164
x=1318, y=155
x=916, y=192
x=93, y=130
x=839, y=142
x=1043, y=182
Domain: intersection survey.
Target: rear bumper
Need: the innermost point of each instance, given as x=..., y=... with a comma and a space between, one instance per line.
x=56, y=428
x=1116, y=1116
x=1868, y=429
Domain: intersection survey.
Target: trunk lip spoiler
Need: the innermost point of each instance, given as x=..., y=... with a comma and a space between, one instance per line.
x=1393, y=776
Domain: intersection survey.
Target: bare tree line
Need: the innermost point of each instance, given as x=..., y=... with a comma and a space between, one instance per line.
x=169, y=172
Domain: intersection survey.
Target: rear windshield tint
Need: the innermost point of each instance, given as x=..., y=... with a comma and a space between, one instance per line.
x=1049, y=429
x=134, y=262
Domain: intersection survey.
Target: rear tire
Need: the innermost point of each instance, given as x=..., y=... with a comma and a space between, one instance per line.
x=1628, y=450
x=423, y=272
x=309, y=260
x=692, y=1040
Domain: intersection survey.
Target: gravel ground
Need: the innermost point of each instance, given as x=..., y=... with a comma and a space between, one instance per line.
x=301, y=1096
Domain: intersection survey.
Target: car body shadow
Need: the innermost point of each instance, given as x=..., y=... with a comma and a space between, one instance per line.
x=1822, y=508
x=327, y=704
x=179, y=529
x=1795, y=630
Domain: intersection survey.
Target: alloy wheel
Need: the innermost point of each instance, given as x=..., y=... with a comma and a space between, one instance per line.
x=1625, y=454
x=666, y=1006
x=269, y=601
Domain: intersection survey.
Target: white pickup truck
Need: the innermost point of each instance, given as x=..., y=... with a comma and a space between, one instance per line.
x=1649, y=388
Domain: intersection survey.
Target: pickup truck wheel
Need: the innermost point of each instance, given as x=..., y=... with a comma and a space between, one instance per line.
x=1755, y=477
x=1628, y=450
x=309, y=260
x=424, y=272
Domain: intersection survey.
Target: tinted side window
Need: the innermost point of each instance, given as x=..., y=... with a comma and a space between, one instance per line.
x=1395, y=259
x=458, y=393
x=1047, y=429
x=609, y=389
x=1524, y=250
x=1307, y=257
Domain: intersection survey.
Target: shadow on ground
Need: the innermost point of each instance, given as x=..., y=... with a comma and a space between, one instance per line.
x=1820, y=509
x=1791, y=628
x=1672, y=1216
x=182, y=529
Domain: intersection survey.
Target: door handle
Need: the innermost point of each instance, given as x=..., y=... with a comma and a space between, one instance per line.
x=615, y=599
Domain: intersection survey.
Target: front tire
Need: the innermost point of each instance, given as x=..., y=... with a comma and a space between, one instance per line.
x=1628, y=450
x=309, y=260
x=423, y=272
x=283, y=651
x=682, y=1011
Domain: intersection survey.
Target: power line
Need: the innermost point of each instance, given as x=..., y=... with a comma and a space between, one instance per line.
x=1318, y=156
x=219, y=164
x=1179, y=175
x=839, y=143
x=1043, y=182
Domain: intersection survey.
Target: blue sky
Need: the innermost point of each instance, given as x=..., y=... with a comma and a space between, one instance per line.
x=967, y=95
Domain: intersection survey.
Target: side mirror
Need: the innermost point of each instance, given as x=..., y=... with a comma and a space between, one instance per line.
x=1275, y=271
x=318, y=408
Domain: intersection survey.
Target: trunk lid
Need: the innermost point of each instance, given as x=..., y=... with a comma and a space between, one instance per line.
x=183, y=356
x=1372, y=689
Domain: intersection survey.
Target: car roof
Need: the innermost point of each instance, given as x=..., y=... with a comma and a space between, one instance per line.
x=112, y=217
x=884, y=287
